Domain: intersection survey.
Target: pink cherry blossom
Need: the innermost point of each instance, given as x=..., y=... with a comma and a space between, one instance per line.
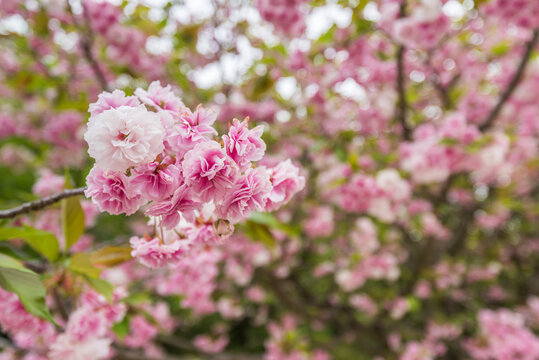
x=106, y=101
x=155, y=253
x=209, y=171
x=111, y=192
x=191, y=128
x=124, y=137
x=161, y=98
x=48, y=184
x=182, y=201
x=244, y=145
x=286, y=182
x=156, y=180
x=249, y=193
x=67, y=348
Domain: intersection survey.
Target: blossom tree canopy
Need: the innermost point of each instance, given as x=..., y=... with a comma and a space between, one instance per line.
x=269, y=179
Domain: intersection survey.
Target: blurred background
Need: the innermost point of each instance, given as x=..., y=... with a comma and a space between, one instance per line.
x=414, y=122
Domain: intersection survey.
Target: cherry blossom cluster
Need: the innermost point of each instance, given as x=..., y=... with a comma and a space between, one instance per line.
x=150, y=148
x=415, y=239
x=422, y=28
x=88, y=332
x=125, y=42
x=27, y=331
x=287, y=16
x=523, y=13
x=503, y=335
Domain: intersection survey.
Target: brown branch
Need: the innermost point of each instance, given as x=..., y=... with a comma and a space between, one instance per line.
x=424, y=258
x=60, y=305
x=530, y=45
x=402, y=104
x=86, y=44
x=460, y=234
x=40, y=204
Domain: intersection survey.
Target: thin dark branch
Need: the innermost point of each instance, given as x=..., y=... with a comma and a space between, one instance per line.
x=86, y=42
x=40, y=204
x=460, y=233
x=402, y=104
x=424, y=258
x=60, y=305
x=530, y=45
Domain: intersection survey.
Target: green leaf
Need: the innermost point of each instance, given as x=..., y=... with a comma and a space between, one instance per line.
x=111, y=255
x=101, y=286
x=270, y=221
x=259, y=233
x=14, y=277
x=449, y=142
x=121, y=329
x=413, y=304
x=41, y=241
x=82, y=264
x=72, y=220
x=501, y=48
x=136, y=298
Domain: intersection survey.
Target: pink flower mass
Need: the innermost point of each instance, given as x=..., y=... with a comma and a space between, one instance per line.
x=123, y=137
x=269, y=180
x=135, y=164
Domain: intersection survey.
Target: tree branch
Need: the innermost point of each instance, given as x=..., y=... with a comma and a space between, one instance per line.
x=402, y=105
x=512, y=84
x=40, y=204
x=86, y=42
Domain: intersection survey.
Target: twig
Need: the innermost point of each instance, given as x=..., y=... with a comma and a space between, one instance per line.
x=423, y=260
x=512, y=84
x=86, y=44
x=460, y=234
x=402, y=105
x=60, y=305
x=40, y=204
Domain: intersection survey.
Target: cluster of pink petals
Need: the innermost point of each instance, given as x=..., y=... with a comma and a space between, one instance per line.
x=63, y=130
x=436, y=152
x=209, y=344
x=381, y=196
x=523, y=13
x=167, y=157
x=87, y=333
x=110, y=191
x=424, y=28
x=287, y=16
x=156, y=253
x=244, y=145
x=125, y=42
x=48, y=183
x=380, y=266
x=286, y=182
x=103, y=15
x=26, y=330
x=504, y=336
x=194, y=279
x=320, y=222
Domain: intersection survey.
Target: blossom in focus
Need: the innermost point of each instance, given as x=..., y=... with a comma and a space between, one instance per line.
x=111, y=192
x=244, y=145
x=248, y=194
x=209, y=171
x=123, y=137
